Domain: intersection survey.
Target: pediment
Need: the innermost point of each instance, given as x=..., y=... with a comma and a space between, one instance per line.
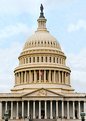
x=42, y=92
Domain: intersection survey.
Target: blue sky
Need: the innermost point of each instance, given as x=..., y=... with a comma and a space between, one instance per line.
x=66, y=20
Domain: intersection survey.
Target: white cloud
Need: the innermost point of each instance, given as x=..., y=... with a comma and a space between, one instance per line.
x=11, y=30
x=77, y=63
x=80, y=24
x=8, y=61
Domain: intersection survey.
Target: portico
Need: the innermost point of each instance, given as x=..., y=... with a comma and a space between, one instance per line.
x=45, y=107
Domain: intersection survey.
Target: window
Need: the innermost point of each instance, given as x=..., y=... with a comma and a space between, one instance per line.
x=50, y=59
x=37, y=59
x=30, y=59
x=54, y=59
x=57, y=60
x=41, y=59
x=46, y=59
x=33, y=59
x=26, y=60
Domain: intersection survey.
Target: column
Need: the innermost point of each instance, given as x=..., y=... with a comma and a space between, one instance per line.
x=73, y=110
x=56, y=109
x=39, y=75
x=22, y=109
x=39, y=109
x=85, y=107
x=79, y=109
x=28, y=113
x=49, y=75
x=59, y=76
x=0, y=110
x=69, y=79
x=33, y=109
x=62, y=109
x=11, y=109
x=62, y=77
x=19, y=78
x=45, y=109
x=30, y=74
x=54, y=76
x=17, y=110
x=6, y=106
x=15, y=78
x=35, y=76
x=68, y=116
x=65, y=78
x=51, y=117
x=45, y=76
x=25, y=77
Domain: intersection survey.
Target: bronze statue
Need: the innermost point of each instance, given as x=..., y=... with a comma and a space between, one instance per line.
x=41, y=13
x=41, y=8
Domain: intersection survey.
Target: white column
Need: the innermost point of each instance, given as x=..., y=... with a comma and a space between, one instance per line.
x=73, y=110
x=79, y=109
x=51, y=117
x=28, y=113
x=11, y=109
x=45, y=109
x=54, y=76
x=19, y=78
x=49, y=75
x=45, y=76
x=85, y=107
x=35, y=76
x=39, y=109
x=33, y=109
x=25, y=77
x=6, y=106
x=39, y=75
x=65, y=78
x=62, y=77
x=0, y=110
x=56, y=109
x=22, y=109
x=69, y=79
x=68, y=116
x=17, y=108
x=62, y=109
x=30, y=74
x=15, y=79
x=59, y=76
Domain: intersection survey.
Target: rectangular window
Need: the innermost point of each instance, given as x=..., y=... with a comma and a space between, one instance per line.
x=37, y=59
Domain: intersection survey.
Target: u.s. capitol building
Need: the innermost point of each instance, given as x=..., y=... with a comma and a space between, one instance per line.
x=42, y=90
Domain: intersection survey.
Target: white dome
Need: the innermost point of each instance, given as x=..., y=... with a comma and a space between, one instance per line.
x=42, y=39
